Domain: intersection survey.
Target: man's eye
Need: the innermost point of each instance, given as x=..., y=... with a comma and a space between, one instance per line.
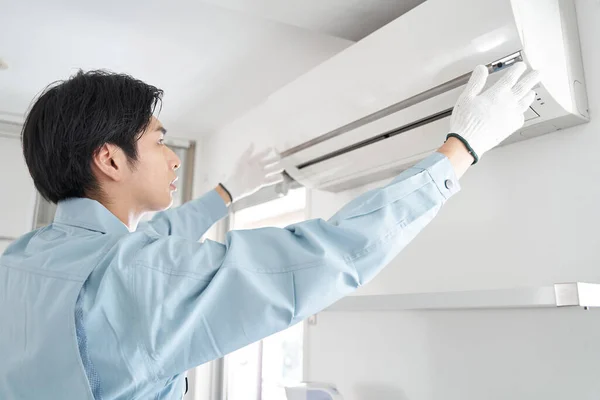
x=161, y=141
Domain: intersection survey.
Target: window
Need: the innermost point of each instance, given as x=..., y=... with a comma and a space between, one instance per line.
x=261, y=370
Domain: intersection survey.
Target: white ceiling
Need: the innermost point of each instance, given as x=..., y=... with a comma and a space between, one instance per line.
x=214, y=61
x=348, y=19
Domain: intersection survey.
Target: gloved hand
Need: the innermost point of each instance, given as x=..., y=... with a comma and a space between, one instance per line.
x=253, y=172
x=483, y=120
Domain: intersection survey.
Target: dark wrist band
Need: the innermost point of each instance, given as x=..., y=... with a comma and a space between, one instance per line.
x=467, y=145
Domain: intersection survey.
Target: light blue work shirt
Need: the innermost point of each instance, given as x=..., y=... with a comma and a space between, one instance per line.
x=89, y=310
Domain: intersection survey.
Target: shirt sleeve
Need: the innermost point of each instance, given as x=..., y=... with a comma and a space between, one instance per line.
x=191, y=220
x=199, y=301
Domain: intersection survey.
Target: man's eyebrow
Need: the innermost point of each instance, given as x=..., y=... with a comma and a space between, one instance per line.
x=162, y=129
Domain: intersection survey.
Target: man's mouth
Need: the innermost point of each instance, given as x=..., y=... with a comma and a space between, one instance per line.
x=172, y=184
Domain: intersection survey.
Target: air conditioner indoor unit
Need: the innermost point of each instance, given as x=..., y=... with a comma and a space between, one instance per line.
x=385, y=102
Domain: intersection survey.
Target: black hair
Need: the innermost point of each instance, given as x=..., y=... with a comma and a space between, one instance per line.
x=72, y=119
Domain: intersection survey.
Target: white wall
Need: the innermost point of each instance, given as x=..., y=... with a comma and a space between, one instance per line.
x=447, y=355
x=527, y=215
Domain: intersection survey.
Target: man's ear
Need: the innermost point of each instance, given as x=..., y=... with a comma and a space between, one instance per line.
x=110, y=161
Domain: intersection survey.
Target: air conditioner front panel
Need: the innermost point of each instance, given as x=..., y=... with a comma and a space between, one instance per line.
x=339, y=157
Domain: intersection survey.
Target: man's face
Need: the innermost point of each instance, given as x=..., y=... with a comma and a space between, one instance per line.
x=152, y=180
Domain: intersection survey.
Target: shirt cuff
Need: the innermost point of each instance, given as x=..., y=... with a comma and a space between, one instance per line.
x=442, y=174
x=213, y=204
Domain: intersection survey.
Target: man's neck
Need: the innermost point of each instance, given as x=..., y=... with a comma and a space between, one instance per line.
x=127, y=214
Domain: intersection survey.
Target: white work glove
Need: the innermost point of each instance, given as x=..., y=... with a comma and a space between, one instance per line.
x=253, y=172
x=483, y=120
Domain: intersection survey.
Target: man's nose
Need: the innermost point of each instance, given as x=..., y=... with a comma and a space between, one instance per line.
x=175, y=161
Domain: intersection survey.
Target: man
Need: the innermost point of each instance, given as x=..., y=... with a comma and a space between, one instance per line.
x=96, y=307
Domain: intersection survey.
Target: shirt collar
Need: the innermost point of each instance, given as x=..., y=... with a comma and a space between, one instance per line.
x=88, y=214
